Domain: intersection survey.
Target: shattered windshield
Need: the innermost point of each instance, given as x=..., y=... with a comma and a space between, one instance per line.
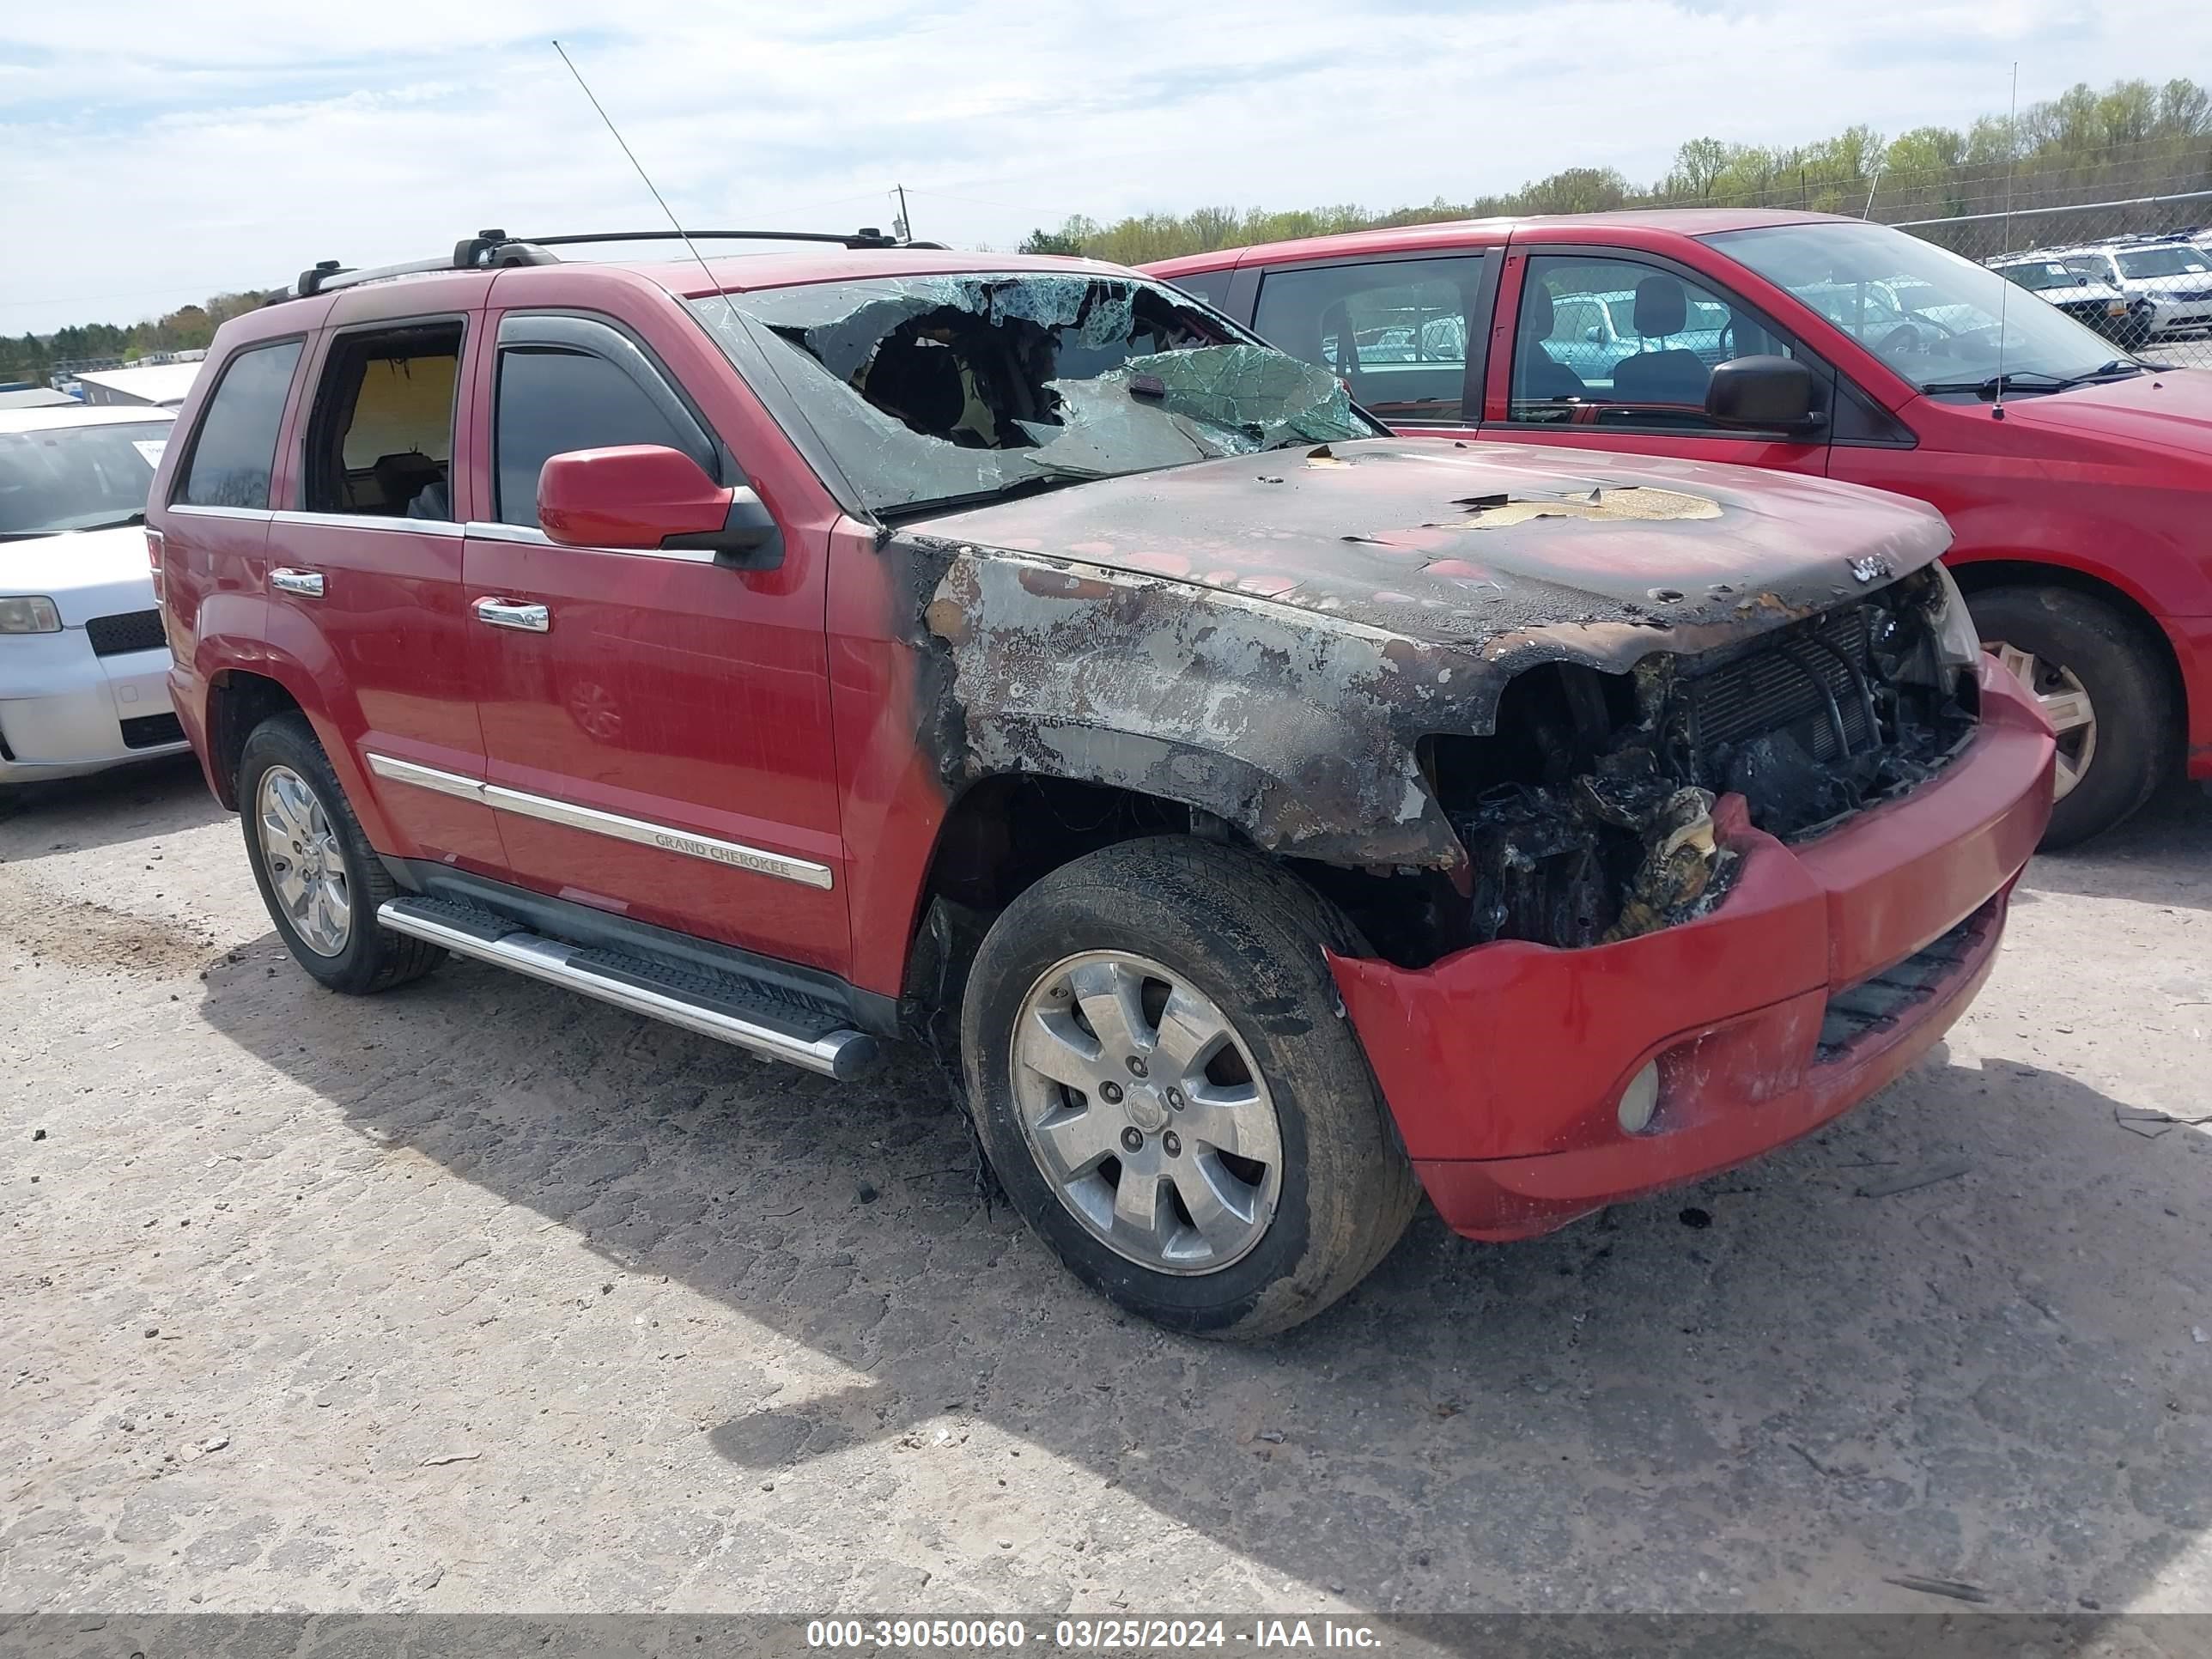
x=937, y=389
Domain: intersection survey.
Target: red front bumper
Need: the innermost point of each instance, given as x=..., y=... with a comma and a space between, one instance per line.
x=1504, y=1065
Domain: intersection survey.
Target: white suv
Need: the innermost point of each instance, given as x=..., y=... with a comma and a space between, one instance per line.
x=2168, y=283
x=84, y=663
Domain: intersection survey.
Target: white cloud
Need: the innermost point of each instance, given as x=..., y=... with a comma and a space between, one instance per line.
x=156, y=154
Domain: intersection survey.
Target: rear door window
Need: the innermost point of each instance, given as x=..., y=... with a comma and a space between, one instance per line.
x=1394, y=330
x=234, y=450
x=380, y=441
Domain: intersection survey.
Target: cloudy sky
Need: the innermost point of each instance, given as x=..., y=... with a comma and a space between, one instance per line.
x=152, y=153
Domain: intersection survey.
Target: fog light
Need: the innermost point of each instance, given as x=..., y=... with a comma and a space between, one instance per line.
x=1640, y=1099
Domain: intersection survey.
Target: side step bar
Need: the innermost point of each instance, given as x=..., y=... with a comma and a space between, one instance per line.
x=715, y=1007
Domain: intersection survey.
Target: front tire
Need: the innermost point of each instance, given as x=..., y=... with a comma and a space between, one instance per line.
x=317, y=872
x=2104, y=691
x=1165, y=1080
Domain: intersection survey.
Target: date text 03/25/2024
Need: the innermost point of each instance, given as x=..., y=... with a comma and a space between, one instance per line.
x=1085, y=1635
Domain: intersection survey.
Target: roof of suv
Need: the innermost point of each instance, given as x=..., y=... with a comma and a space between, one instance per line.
x=1409, y=239
x=681, y=277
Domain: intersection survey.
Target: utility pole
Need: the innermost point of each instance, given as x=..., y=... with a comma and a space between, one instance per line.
x=905, y=229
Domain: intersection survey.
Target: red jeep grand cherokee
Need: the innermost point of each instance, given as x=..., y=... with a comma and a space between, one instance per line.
x=2083, y=513
x=1277, y=817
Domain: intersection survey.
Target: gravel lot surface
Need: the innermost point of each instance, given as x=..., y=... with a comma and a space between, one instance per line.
x=478, y=1295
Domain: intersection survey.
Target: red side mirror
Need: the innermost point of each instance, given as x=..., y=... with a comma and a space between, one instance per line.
x=632, y=496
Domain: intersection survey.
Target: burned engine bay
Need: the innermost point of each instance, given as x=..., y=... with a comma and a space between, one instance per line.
x=1587, y=818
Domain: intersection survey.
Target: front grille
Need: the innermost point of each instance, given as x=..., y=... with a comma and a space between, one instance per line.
x=152, y=731
x=126, y=631
x=1811, y=684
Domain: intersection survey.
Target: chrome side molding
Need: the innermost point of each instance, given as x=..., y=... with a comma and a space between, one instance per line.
x=424, y=777
x=758, y=859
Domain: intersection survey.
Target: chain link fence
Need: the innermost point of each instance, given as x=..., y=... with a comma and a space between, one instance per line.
x=2117, y=236
x=2138, y=271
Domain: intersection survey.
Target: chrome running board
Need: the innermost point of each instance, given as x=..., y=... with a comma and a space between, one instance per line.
x=744, y=1012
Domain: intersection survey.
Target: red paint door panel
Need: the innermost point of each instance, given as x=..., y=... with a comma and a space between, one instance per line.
x=669, y=691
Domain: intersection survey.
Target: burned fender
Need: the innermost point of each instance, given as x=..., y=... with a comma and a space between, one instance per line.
x=1298, y=728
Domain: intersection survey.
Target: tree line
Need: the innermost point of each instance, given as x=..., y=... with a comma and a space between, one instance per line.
x=2134, y=138
x=188, y=328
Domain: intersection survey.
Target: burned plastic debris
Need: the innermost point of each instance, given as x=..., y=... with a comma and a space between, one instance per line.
x=1608, y=832
x=1621, y=851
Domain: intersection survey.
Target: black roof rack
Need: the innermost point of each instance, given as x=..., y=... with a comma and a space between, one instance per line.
x=491, y=249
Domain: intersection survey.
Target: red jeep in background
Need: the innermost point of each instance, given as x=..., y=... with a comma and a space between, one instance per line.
x=1276, y=817
x=2081, y=500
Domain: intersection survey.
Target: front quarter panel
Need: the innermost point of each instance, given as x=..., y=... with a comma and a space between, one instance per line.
x=1299, y=730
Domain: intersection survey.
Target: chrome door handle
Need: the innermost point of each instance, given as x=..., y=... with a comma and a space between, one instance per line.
x=513, y=613
x=307, y=583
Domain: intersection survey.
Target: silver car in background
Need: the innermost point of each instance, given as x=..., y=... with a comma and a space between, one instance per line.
x=84, y=662
x=2166, y=281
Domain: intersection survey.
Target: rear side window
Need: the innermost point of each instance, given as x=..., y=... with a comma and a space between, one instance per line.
x=236, y=448
x=552, y=401
x=1394, y=331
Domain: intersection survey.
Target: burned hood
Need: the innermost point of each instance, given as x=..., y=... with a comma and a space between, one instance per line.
x=1270, y=639
x=1500, y=549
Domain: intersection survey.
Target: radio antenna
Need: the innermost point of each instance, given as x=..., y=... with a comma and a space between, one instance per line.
x=676, y=224
x=2004, y=290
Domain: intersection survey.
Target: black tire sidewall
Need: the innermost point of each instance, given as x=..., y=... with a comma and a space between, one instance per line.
x=2127, y=692
x=1285, y=1013
x=287, y=741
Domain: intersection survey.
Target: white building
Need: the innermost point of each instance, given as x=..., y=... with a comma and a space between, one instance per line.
x=162, y=384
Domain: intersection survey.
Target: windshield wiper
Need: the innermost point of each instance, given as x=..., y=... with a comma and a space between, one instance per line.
x=2035, y=380
x=116, y=524
x=1034, y=483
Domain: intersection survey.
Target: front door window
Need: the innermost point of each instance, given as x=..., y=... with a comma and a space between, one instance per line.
x=1625, y=343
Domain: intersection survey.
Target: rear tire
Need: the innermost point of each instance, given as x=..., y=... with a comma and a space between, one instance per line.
x=1275, y=1158
x=313, y=865
x=2071, y=642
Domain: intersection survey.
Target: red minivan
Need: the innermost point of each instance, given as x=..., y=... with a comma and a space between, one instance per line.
x=2078, y=481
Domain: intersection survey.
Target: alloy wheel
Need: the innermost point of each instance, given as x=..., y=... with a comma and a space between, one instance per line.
x=306, y=867
x=2065, y=704
x=1143, y=1111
